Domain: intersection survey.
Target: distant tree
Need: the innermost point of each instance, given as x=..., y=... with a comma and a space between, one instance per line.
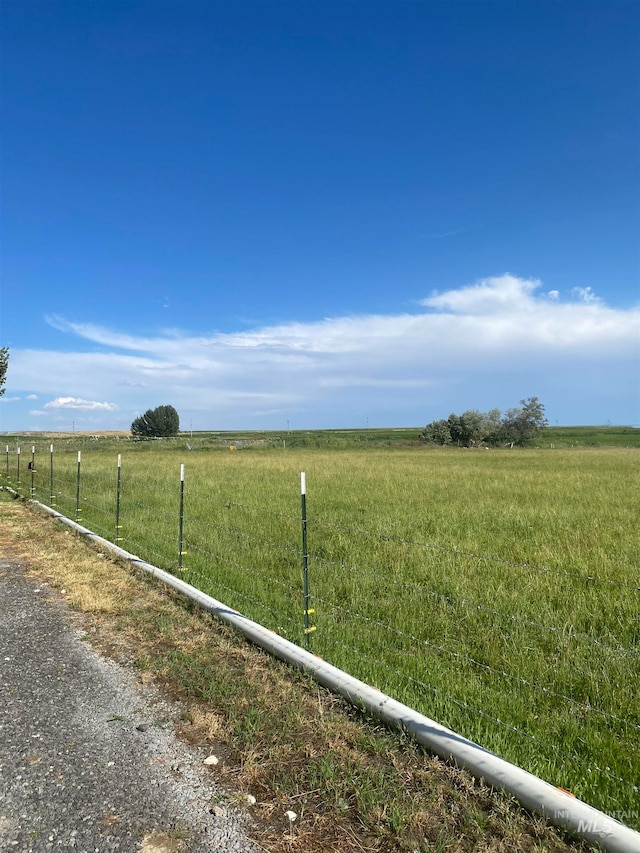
x=474, y=427
x=437, y=432
x=160, y=422
x=455, y=428
x=493, y=426
x=523, y=424
x=4, y=363
x=471, y=428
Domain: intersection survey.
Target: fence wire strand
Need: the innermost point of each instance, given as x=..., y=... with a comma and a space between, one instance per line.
x=385, y=537
x=478, y=664
x=473, y=605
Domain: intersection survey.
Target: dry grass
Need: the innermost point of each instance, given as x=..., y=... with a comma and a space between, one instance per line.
x=353, y=785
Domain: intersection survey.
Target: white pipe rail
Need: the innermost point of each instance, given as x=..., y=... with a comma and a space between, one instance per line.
x=558, y=807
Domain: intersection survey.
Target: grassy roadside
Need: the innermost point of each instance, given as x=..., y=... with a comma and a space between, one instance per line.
x=353, y=785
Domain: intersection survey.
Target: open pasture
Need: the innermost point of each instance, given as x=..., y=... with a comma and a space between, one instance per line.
x=495, y=591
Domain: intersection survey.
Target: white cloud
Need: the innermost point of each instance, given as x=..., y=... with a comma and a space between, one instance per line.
x=82, y=405
x=502, y=337
x=99, y=335
x=505, y=294
x=10, y=399
x=31, y=397
x=586, y=294
x=500, y=312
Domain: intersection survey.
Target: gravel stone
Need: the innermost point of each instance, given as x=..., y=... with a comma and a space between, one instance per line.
x=88, y=758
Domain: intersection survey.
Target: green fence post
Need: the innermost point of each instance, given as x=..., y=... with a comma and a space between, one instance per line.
x=118, y=538
x=51, y=492
x=78, y=488
x=308, y=628
x=32, y=468
x=181, y=553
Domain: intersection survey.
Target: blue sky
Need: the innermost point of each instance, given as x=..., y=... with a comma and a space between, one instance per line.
x=319, y=213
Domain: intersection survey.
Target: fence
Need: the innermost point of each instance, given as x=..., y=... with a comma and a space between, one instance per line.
x=538, y=664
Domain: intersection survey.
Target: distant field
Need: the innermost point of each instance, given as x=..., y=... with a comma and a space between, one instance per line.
x=551, y=437
x=496, y=591
x=584, y=436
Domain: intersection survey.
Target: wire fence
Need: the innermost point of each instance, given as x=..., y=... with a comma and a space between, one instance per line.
x=538, y=664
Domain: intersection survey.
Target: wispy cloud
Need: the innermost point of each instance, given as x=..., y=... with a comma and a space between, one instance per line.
x=453, y=232
x=586, y=294
x=489, y=340
x=99, y=335
x=80, y=405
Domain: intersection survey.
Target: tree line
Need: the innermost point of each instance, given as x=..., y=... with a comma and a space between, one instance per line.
x=472, y=428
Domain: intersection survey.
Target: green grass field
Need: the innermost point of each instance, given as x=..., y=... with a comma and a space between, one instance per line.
x=495, y=591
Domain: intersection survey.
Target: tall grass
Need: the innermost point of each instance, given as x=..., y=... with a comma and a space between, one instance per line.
x=497, y=592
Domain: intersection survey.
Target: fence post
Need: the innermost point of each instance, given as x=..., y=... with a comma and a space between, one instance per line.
x=308, y=628
x=32, y=468
x=118, y=538
x=181, y=553
x=7, y=463
x=18, y=479
x=51, y=494
x=78, y=488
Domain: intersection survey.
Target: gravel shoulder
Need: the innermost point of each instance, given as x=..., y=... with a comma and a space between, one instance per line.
x=88, y=755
